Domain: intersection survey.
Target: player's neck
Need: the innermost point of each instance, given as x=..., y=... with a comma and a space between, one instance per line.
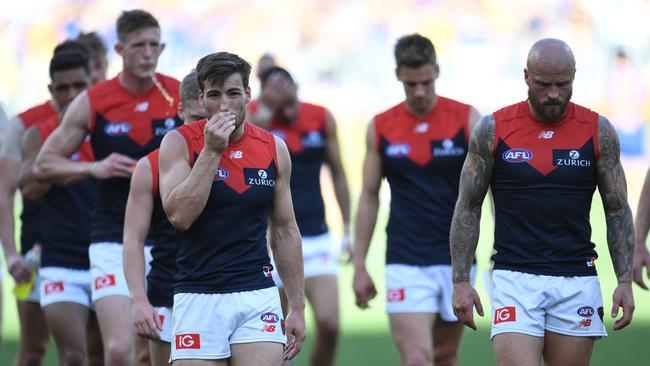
x=421, y=112
x=134, y=84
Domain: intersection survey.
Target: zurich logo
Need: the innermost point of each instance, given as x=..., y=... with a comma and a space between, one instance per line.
x=262, y=173
x=397, y=150
x=574, y=154
x=220, y=174
x=517, y=155
x=117, y=128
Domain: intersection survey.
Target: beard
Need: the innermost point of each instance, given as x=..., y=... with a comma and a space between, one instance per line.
x=551, y=110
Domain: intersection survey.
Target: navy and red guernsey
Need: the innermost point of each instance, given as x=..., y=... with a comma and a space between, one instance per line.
x=305, y=139
x=159, y=280
x=66, y=213
x=31, y=215
x=225, y=249
x=132, y=125
x=543, y=182
x=422, y=158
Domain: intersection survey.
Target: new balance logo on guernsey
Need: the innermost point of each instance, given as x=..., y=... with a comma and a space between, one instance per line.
x=506, y=314
x=395, y=295
x=141, y=107
x=104, y=281
x=545, y=135
x=236, y=154
x=188, y=341
x=53, y=288
x=421, y=127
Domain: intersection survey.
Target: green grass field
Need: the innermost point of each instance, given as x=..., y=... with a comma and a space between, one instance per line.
x=365, y=337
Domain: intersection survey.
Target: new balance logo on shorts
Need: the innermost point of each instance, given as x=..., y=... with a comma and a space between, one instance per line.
x=395, y=295
x=506, y=314
x=53, y=287
x=104, y=281
x=268, y=328
x=188, y=341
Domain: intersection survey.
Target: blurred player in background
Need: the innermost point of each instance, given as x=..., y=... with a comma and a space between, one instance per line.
x=144, y=209
x=65, y=222
x=126, y=118
x=419, y=145
x=34, y=333
x=309, y=131
x=641, y=253
x=543, y=159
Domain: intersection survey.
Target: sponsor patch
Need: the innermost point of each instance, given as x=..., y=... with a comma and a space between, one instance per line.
x=188, y=341
x=398, y=150
x=104, y=281
x=54, y=287
x=117, y=128
x=270, y=317
x=395, y=295
x=220, y=174
x=505, y=314
x=586, y=311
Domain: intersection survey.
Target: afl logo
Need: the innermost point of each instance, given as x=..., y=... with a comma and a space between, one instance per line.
x=574, y=154
x=220, y=174
x=117, y=129
x=517, y=155
x=397, y=150
x=270, y=318
x=586, y=311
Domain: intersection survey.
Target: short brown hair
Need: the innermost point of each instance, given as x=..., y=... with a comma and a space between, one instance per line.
x=414, y=50
x=189, y=89
x=93, y=43
x=133, y=20
x=215, y=68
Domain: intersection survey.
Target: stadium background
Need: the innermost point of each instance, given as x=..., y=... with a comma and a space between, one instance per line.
x=340, y=52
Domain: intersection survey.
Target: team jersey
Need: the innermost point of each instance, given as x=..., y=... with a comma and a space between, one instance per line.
x=305, y=139
x=159, y=280
x=65, y=221
x=225, y=248
x=131, y=125
x=30, y=217
x=543, y=182
x=421, y=158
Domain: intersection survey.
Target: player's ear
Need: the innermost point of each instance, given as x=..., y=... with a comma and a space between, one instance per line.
x=118, y=48
x=248, y=94
x=397, y=73
x=201, y=101
x=162, y=48
x=180, y=113
x=436, y=71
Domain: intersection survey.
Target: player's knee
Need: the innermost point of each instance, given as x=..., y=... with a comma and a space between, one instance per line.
x=328, y=327
x=74, y=357
x=445, y=356
x=119, y=353
x=417, y=356
x=32, y=357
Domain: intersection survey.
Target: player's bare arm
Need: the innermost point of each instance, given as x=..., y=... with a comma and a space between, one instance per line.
x=618, y=216
x=30, y=187
x=642, y=225
x=364, y=288
x=287, y=252
x=473, y=118
x=184, y=190
x=333, y=159
x=10, y=160
x=137, y=220
x=474, y=183
x=53, y=163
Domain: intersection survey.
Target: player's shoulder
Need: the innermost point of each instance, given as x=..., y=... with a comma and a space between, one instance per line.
x=583, y=114
x=169, y=81
x=37, y=113
x=105, y=88
x=381, y=120
x=259, y=133
x=452, y=104
x=511, y=112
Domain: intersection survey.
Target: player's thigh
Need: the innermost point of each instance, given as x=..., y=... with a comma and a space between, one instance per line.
x=33, y=326
x=560, y=349
x=114, y=317
x=323, y=295
x=446, y=337
x=412, y=331
x=159, y=352
x=260, y=354
x=517, y=349
x=68, y=323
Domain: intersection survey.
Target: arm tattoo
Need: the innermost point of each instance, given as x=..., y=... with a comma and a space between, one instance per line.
x=474, y=182
x=613, y=192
